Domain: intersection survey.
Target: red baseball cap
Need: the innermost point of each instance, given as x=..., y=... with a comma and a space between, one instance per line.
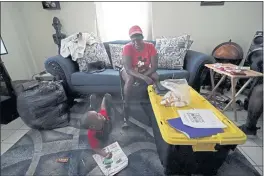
x=135, y=30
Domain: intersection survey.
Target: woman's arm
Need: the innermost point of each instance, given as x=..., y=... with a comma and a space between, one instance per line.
x=128, y=67
x=154, y=65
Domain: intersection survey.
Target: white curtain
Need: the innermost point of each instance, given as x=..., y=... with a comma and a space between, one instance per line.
x=115, y=18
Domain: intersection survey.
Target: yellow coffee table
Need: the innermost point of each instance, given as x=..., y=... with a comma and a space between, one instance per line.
x=231, y=135
x=181, y=155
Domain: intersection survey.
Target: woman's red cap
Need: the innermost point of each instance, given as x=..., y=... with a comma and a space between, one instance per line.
x=135, y=30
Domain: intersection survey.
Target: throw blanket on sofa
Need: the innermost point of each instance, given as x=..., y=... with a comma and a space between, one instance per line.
x=75, y=45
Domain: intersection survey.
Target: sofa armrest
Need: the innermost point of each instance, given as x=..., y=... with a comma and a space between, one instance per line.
x=194, y=64
x=62, y=68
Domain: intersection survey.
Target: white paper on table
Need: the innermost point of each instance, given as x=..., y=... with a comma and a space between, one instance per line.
x=200, y=118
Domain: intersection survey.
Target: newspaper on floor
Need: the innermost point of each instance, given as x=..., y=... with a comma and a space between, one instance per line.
x=114, y=165
x=200, y=118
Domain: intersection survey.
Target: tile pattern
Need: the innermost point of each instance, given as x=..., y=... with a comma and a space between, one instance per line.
x=11, y=133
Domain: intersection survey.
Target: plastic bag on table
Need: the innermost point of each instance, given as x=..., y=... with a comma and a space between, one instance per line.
x=179, y=94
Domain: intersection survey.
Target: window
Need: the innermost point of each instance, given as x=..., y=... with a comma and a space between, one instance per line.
x=115, y=18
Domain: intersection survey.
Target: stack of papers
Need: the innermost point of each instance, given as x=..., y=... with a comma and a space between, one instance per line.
x=234, y=70
x=197, y=123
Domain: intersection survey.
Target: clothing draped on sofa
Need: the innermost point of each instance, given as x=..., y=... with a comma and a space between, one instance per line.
x=75, y=45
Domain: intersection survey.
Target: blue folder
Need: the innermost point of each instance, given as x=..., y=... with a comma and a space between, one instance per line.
x=191, y=132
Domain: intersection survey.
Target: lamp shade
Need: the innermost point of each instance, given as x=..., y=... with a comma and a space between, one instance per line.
x=3, y=48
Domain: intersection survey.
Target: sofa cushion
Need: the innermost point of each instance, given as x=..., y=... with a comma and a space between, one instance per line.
x=116, y=55
x=105, y=78
x=110, y=77
x=175, y=74
x=172, y=51
x=93, y=53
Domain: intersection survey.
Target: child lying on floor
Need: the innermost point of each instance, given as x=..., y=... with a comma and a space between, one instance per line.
x=98, y=124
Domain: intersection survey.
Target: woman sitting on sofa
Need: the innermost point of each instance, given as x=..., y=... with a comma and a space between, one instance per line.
x=140, y=62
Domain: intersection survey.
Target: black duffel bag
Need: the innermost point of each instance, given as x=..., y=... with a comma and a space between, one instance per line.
x=43, y=105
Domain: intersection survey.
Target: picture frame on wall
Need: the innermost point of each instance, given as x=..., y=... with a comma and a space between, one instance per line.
x=51, y=5
x=212, y=3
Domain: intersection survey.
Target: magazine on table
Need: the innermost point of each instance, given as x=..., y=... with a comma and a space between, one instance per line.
x=191, y=132
x=115, y=164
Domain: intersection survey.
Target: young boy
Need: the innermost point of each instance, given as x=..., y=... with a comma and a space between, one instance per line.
x=98, y=124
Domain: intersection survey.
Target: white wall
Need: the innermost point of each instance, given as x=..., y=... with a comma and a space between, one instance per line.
x=208, y=25
x=27, y=28
x=19, y=61
x=74, y=16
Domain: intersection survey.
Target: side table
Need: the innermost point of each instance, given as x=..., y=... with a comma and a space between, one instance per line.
x=250, y=74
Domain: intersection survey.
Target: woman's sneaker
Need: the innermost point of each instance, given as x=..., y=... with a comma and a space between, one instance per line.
x=93, y=102
x=125, y=125
x=126, y=117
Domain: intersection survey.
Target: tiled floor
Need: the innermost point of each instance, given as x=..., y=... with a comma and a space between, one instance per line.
x=11, y=133
x=252, y=149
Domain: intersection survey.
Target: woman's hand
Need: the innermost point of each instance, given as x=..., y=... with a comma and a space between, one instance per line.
x=148, y=80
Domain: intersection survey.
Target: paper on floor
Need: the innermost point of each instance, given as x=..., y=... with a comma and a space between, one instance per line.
x=114, y=165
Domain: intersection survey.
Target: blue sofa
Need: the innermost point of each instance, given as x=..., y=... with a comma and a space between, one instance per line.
x=77, y=82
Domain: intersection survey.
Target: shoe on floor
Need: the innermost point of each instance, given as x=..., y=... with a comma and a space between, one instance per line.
x=125, y=124
x=249, y=131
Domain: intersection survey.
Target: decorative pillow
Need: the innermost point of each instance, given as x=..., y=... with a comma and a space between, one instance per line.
x=93, y=52
x=158, y=44
x=116, y=55
x=172, y=51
